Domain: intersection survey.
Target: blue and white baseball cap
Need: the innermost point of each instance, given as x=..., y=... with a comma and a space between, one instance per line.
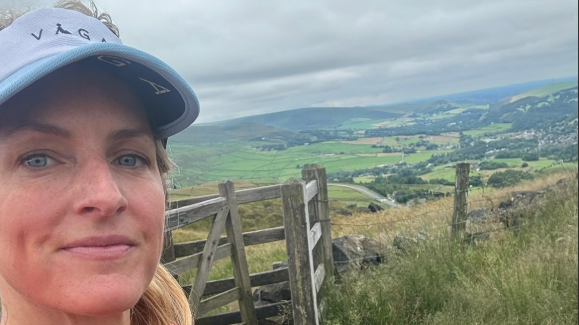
x=45, y=40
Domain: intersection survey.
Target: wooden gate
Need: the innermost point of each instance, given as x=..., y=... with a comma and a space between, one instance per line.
x=307, y=231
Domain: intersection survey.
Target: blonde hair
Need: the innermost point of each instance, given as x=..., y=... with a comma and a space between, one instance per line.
x=164, y=301
x=8, y=16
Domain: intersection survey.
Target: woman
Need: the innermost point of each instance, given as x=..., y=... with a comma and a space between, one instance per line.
x=83, y=124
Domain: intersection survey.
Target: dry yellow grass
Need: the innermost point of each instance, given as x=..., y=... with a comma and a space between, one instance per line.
x=206, y=189
x=433, y=217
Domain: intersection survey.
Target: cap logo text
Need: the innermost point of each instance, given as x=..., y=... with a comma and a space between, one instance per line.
x=60, y=30
x=116, y=61
x=39, y=35
x=159, y=90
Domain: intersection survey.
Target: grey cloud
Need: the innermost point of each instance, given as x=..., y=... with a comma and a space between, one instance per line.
x=254, y=56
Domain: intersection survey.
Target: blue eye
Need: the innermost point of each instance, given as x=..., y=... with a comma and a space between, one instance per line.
x=130, y=161
x=37, y=161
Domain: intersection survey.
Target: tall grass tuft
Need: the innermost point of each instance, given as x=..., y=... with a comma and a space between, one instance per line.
x=528, y=276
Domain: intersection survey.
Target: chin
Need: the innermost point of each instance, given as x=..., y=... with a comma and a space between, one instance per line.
x=104, y=297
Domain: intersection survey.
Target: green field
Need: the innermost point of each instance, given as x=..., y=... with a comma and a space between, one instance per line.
x=360, y=124
x=423, y=156
x=392, y=123
x=364, y=179
x=516, y=162
x=250, y=164
x=495, y=128
x=441, y=172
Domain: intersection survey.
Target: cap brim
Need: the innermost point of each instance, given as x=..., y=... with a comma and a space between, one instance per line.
x=171, y=102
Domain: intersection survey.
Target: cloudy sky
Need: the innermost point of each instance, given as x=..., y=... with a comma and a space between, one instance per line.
x=246, y=57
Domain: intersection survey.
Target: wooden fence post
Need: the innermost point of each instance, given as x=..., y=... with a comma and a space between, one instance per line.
x=238, y=256
x=301, y=272
x=168, y=248
x=461, y=200
x=322, y=203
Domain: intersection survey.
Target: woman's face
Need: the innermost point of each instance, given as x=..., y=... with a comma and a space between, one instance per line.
x=81, y=197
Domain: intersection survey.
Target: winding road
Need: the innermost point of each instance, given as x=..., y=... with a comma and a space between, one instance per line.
x=368, y=193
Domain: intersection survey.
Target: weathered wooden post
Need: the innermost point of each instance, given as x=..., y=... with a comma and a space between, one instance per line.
x=461, y=200
x=168, y=248
x=238, y=256
x=322, y=207
x=208, y=257
x=301, y=271
x=168, y=254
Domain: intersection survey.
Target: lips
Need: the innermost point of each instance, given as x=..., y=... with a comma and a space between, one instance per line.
x=109, y=247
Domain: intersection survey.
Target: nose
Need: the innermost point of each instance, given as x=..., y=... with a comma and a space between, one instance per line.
x=98, y=192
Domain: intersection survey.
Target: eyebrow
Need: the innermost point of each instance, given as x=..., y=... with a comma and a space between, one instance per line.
x=47, y=129
x=38, y=127
x=128, y=134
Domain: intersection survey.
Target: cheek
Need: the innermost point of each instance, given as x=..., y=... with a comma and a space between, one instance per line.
x=28, y=217
x=148, y=213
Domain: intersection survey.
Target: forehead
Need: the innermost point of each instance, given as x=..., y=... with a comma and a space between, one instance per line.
x=73, y=92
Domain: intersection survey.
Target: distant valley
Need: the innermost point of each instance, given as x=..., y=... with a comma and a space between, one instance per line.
x=403, y=150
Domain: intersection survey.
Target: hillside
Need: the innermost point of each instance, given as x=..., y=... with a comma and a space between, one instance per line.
x=335, y=117
x=527, y=275
x=545, y=91
x=534, y=112
x=426, y=107
x=313, y=118
x=242, y=131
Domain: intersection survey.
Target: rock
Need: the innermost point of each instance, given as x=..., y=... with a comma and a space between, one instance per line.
x=344, y=212
x=564, y=183
x=273, y=293
x=523, y=199
x=404, y=243
x=482, y=221
x=375, y=208
x=364, y=210
x=506, y=204
x=479, y=215
x=356, y=252
x=277, y=292
x=423, y=235
x=352, y=207
x=476, y=238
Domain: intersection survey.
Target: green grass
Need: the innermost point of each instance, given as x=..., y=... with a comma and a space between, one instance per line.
x=364, y=179
x=441, y=172
x=392, y=123
x=529, y=277
x=360, y=124
x=245, y=163
x=408, y=140
x=516, y=162
x=493, y=129
x=423, y=156
x=546, y=91
x=512, y=162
